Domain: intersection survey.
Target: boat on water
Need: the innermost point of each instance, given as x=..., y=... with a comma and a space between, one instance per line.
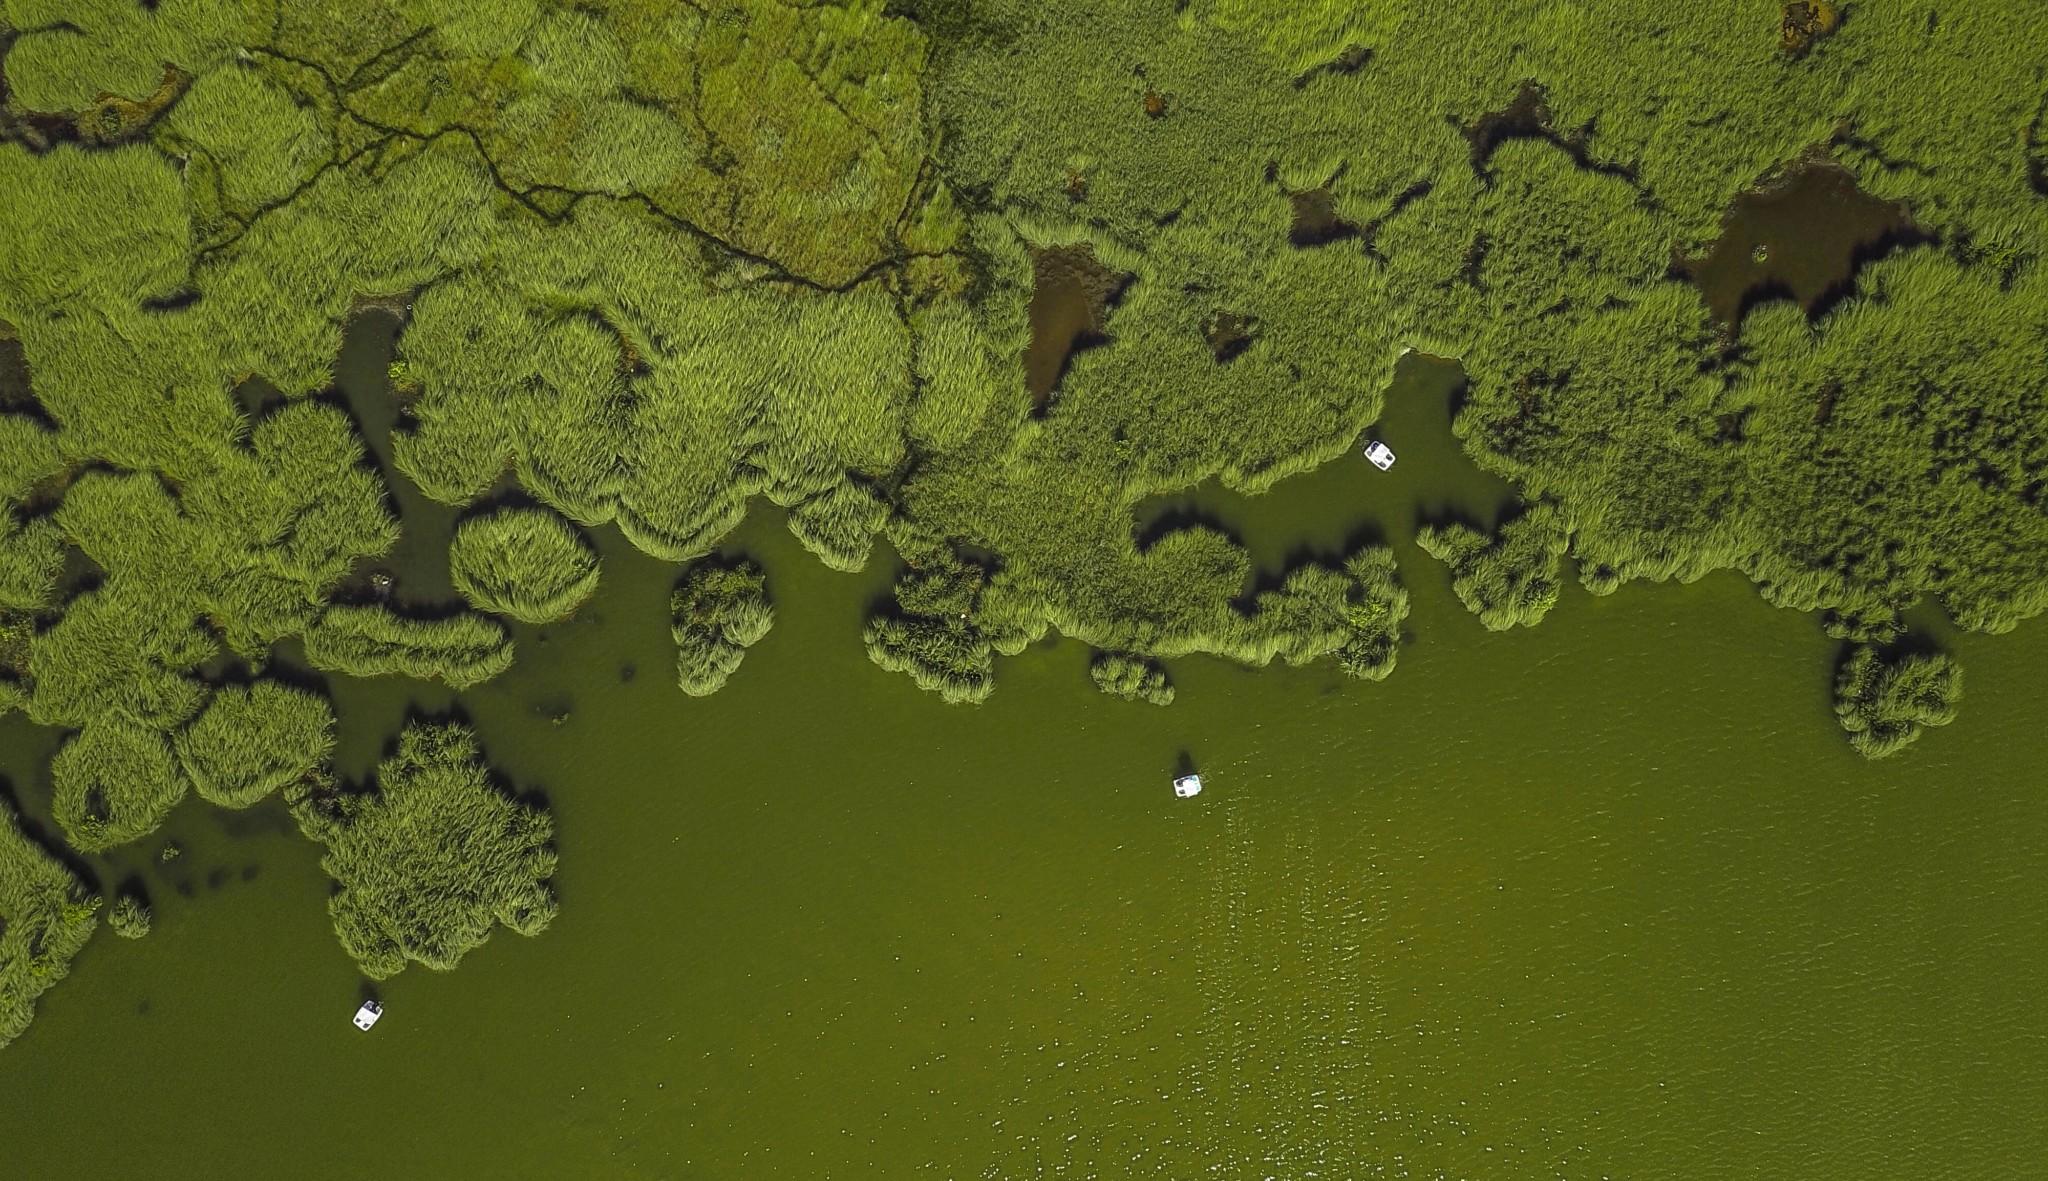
x=1379, y=454
x=1187, y=785
x=367, y=1015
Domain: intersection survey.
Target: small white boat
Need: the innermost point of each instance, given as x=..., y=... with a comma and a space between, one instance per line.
x=368, y=1014
x=1381, y=455
x=1187, y=785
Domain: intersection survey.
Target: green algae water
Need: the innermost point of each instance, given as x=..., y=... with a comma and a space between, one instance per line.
x=1606, y=898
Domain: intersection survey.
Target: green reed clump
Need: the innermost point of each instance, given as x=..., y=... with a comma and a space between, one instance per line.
x=718, y=611
x=1883, y=703
x=251, y=741
x=840, y=525
x=365, y=640
x=113, y=782
x=129, y=916
x=433, y=858
x=1374, y=610
x=31, y=558
x=46, y=916
x=527, y=563
x=1133, y=678
x=1510, y=578
x=952, y=618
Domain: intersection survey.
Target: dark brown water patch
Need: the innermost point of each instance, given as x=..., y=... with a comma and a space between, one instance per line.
x=1229, y=334
x=1806, y=22
x=1316, y=220
x=1071, y=294
x=1350, y=61
x=2037, y=159
x=1528, y=116
x=1800, y=236
x=15, y=390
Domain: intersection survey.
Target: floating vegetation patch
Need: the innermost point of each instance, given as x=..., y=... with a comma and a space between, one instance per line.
x=433, y=858
x=369, y=640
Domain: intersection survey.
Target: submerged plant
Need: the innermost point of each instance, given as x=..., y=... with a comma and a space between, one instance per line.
x=527, y=563
x=428, y=862
x=1884, y=703
x=718, y=611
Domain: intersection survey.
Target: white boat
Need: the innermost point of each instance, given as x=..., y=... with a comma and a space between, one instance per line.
x=1381, y=455
x=368, y=1014
x=1187, y=785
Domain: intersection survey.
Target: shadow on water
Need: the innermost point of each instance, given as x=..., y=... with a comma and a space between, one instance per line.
x=1071, y=296
x=1800, y=236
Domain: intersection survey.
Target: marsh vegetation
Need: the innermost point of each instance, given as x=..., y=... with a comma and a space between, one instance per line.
x=657, y=261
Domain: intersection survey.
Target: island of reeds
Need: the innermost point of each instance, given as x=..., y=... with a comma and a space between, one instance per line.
x=958, y=284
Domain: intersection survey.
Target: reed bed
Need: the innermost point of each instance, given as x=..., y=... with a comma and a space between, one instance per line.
x=253, y=740
x=527, y=563
x=718, y=611
x=1883, y=703
x=371, y=640
x=1132, y=678
x=49, y=915
x=433, y=858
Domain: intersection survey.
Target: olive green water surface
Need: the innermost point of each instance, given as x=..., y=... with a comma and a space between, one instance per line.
x=1608, y=898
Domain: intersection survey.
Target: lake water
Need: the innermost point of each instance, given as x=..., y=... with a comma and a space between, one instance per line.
x=1606, y=898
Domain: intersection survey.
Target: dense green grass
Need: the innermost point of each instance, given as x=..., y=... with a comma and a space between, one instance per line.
x=433, y=859
x=251, y=741
x=366, y=640
x=46, y=915
x=718, y=611
x=114, y=782
x=527, y=563
x=1883, y=703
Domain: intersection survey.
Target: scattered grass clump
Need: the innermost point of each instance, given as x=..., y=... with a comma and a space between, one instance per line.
x=1510, y=578
x=114, y=782
x=432, y=859
x=718, y=611
x=527, y=563
x=368, y=640
x=1132, y=678
x=129, y=916
x=46, y=916
x=252, y=740
x=1883, y=703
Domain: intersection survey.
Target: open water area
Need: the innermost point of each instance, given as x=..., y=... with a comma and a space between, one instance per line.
x=1606, y=898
